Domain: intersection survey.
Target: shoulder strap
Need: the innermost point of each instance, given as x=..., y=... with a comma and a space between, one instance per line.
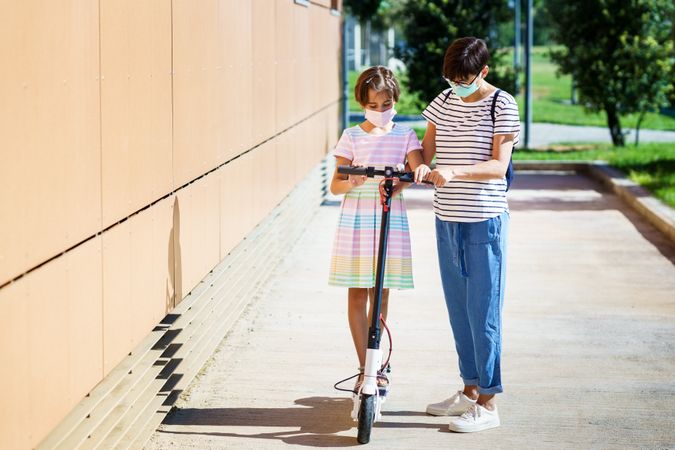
x=447, y=94
x=494, y=103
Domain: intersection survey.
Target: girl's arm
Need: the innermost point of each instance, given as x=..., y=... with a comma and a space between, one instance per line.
x=429, y=143
x=495, y=168
x=341, y=184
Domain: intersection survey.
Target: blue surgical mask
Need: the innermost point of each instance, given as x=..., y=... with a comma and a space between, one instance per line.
x=464, y=91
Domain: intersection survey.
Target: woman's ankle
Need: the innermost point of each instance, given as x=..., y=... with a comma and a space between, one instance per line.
x=471, y=391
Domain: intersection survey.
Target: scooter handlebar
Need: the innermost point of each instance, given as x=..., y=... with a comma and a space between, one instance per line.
x=387, y=172
x=358, y=170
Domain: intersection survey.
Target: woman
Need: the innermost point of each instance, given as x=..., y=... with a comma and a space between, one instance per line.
x=472, y=156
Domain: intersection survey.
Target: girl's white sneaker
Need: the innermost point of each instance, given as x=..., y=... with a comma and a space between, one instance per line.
x=453, y=406
x=476, y=418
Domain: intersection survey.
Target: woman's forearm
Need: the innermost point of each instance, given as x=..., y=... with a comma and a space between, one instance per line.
x=488, y=170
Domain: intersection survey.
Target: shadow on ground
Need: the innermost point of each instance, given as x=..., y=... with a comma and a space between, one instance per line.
x=315, y=422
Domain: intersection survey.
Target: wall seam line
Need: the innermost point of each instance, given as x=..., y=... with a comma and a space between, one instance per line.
x=164, y=197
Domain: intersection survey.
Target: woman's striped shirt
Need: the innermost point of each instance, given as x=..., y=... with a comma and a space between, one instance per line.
x=464, y=134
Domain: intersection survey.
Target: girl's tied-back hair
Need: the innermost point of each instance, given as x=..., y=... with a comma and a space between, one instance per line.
x=464, y=58
x=378, y=78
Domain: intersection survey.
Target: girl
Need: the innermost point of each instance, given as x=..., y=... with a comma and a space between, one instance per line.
x=472, y=129
x=378, y=142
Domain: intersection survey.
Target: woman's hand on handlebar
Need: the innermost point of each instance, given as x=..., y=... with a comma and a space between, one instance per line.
x=441, y=176
x=421, y=173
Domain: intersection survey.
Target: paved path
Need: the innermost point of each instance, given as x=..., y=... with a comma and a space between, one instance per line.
x=544, y=134
x=589, y=344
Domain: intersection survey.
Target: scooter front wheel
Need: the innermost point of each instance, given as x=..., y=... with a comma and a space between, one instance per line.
x=366, y=418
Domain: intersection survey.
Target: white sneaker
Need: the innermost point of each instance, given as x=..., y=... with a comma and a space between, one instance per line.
x=476, y=418
x=453, y=406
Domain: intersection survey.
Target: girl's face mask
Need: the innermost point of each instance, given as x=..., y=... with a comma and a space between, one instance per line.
x=380, y=119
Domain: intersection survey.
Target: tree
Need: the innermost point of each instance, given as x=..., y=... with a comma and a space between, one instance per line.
x=620, y=54
x=430, y=26
x=363, y=10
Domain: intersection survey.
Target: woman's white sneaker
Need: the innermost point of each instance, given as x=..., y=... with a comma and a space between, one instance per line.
x=476, y=418
x=453, y=406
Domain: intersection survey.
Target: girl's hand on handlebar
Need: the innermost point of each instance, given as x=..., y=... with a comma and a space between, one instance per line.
x=441, y=176
x=356, y=180
x=421, y=173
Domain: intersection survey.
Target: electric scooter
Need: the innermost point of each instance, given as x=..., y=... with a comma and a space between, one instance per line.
x=369, y=398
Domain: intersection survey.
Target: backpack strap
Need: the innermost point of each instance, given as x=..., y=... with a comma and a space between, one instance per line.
x=494, y=103
x=447, y=94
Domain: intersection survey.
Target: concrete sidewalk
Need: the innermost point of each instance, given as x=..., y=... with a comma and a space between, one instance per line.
x=589, y=340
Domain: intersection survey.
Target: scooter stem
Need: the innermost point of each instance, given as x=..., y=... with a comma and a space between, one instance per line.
x=374, y=330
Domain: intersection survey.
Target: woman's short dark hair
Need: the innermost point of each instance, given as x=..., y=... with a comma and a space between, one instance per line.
x=378, y=78
x=464, y=58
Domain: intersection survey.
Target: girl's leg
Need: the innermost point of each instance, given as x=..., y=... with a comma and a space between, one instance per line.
x=358, y=321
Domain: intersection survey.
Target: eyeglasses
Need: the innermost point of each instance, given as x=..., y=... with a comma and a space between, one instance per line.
x=461, y=83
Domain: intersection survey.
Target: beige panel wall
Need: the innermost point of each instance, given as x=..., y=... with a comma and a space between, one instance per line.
x=199, y=238
x=200, y=119
x=50, y=184
x=138, y=278
x=50, y=342
x=157, y=153
x=265, y=57
x=135, y=105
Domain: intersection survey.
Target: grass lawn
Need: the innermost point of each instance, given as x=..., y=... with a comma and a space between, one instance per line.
x=650, y=165
x=550, y=102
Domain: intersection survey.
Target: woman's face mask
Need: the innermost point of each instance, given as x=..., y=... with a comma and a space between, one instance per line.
x=464, y=89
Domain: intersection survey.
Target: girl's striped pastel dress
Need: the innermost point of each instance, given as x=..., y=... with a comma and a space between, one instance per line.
x=354, y=258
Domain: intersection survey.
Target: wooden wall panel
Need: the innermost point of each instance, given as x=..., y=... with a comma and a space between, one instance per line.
x=199, y=119
x=317, y=49
x=332, y=87
x=82, y=150
x=138, y=278
x=283, y=40
x=135, y=105
x=300, y=63
x=15, y=417
x=51, y=344
x=199, y=237
x=230, y=234
x=235, y=197
x=49, y=126
x=237, y=41
x=265, y=84
x=270, y=174
x=261, y=181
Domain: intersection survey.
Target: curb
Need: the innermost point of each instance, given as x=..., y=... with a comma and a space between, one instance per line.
x=640, y=199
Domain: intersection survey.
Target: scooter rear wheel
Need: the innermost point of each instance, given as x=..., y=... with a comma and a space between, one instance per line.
x=366, y=418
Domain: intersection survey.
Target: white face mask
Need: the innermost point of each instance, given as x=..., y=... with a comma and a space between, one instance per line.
x=380, y=119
